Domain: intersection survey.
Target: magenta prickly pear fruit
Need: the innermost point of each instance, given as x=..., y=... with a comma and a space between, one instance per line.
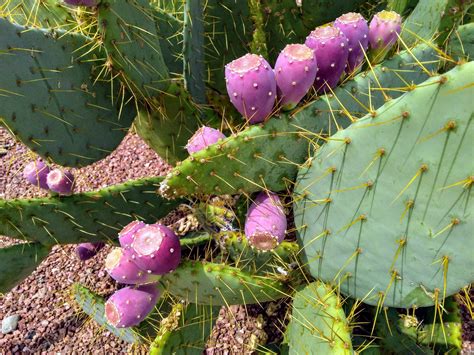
x=355, y=28
x=265, y=224
x=130, y=306
x=331, y=49
x=36, y=173
x=203, y=137
x=126, y=234
x=251, y=87
x=60, y=182
x=86, y=251
x=121, y=268
x=383, y=33
x=156, y=249
x=87, y=3
x=295, y=71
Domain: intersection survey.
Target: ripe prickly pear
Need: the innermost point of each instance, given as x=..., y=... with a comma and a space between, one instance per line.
x=36, y=172
x=331, y=49
x=60, y=182
x=126, y=234
x=251, y=86
x=355, y=28
x=203, y=137
x=156, y=249
x=121, y=268
x=295, y=71
x=383, y=33
x=86, y=251
x=265, y=224
x=129, y=306
x=87, y=3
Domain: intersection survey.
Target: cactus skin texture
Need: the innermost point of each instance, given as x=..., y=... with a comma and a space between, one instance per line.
x=251, y=87
x=17, y=262
x=295, y=71
x=121, y=268
x=265, y=225
x=331, y=48
x=384, y=29
x=219, y=284
x=264, y=157
x=355, y=28
x=391, y=211
x=461, y=44
x=76, y=122
x=60, y=181
x=203, y=137
x=156, y=249
x=318, y=324
x=88, y=217
x=86, y=251
x=36, y=172
x=129, y=306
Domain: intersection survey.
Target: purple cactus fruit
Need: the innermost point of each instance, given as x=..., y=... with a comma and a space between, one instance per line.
x=251, y=87
x=86, y=251
x=331, y=49
x=383, y=33
x=87, y=3
x=203, y=137
x=130, y=306
x=126, y=234
x=265, y=224
x=156, y=249
x=355, y=28
x=60, y=182
x=36, y=172
x=122, y=269
x=295, y=71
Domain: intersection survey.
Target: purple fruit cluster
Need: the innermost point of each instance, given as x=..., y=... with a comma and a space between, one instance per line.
x=329, y=51
x=38, y=173
x=202, y=138
x=265, y=225
x=146, y=252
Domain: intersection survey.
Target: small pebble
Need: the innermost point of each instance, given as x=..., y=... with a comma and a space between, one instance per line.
x=10, y=323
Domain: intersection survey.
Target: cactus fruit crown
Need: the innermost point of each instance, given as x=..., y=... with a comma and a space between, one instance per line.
x=388, y=16
x=246, y=63
x=350, y=18
x=298, y=52
x=326, y=33
x=148, y=240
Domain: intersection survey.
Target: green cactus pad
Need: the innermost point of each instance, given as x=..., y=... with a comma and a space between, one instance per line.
x=267, y=156
x=18, y=262
x=185, y=330
x=423, y=22
x=318, y=324
x=451, y=18
x=385, y=207
x=37, y=13
x=49, y=100
x=170, y=34
x=286, y=22
x=168, y=129
x=94, y=306
x=128, y=31
x=461, y=44
x=219, y=284
x=86, y=217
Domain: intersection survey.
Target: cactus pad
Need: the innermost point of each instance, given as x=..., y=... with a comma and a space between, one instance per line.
x=385, y=207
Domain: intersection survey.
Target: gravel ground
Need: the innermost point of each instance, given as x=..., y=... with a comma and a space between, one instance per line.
x=48, y=320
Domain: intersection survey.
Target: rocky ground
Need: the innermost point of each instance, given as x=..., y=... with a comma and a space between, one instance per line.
x=48, y=320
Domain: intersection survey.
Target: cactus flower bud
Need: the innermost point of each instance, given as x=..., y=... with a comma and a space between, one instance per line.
x=251, y=87
x=331, y=49
x=202, y=138
x=295, y=71
x=36, y=173
x=383, y=33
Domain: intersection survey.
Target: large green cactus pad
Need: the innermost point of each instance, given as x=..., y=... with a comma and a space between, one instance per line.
x=185, y=330
x=129, y=34
x=18, y=262
x=219, y=284
x=318, y=324
x=170, y=35
x=268, y=156
x=461, y=44
x=385, y=208
x=89, y=216
x=49, y=100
